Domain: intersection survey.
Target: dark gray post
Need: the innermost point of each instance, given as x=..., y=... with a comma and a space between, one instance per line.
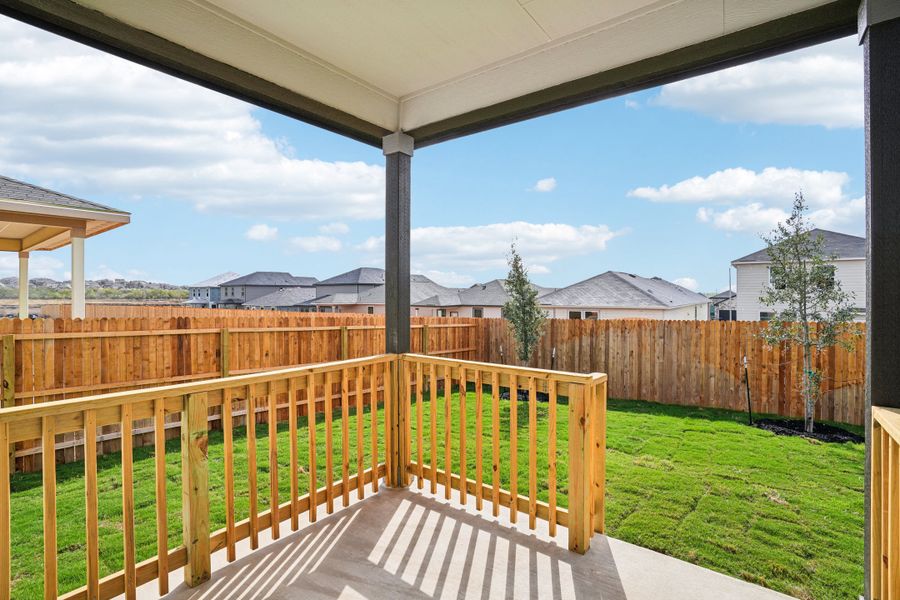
x=879, y=31
x=398, y=149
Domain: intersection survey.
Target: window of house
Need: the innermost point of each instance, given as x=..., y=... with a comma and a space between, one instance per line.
x=370, y=310
x=454, y=313
x=775, y=281
x=574, y=314
x=766, y=316
x=478, y=312
x=441, y=312
x=590, y=314
x=727, y=315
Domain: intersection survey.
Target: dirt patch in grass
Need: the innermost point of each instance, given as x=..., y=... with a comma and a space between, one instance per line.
x=821, y=432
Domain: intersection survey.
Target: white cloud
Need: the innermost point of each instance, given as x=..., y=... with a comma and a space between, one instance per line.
x=105, y=272
x=336, y=228
x=743, y=200
x=484, y=247
x=688, y=282
x=821, y=85
x=632, y=104
x=545, y=185
x=79, y=120
x=316, y=243
x=39, y=265
x=261, y=233
x=449, y=278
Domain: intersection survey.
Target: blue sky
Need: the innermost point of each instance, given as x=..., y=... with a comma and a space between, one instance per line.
x=673, y=182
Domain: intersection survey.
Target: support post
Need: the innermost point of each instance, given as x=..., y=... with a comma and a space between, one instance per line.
x=78, y=273
x=580, y=475
x=879, y=32
x=224, y=351
x=425, y=339
x=195, y=488
x=398, y=150
x=345, y=343
x=9, y=371
x=23, y=285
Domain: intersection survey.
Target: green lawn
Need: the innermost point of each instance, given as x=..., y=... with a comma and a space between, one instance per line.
x=693, y=483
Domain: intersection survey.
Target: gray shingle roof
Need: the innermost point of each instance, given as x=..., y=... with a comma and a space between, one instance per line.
x=272, y=278
x=217, y=280
x=13, y=189
x=420, y=288
x=841, y=245
x=492, y=293
x=362, y=275
x=339, y=298
x=292, y=296
x=615, y=289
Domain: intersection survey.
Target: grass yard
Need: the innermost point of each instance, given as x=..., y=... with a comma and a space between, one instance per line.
x=697, y=484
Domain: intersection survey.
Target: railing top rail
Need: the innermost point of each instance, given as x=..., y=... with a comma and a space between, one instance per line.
x=889, y=419
x=59, y=407
x=564, y=376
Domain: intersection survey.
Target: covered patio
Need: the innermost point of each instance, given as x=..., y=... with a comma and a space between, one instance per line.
x=402, y=77
x=33, y=218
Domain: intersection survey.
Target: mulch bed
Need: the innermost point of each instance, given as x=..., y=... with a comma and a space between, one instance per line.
x=821, y=432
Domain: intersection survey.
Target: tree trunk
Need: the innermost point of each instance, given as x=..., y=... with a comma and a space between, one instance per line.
x=808, y=397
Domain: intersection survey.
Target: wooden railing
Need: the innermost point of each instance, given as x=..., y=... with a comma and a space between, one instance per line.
x=885, y=504
x=284, y=395
x=444, y=447
x=364, y=405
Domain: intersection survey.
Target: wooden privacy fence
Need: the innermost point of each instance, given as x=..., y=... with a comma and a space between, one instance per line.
x=692, y=363
x=53, y=359
x=158, y=311
x=368, y=400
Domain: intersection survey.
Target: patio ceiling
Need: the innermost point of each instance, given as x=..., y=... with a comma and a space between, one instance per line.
x=436, y=70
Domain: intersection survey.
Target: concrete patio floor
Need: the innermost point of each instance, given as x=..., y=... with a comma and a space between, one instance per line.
x=409, y=544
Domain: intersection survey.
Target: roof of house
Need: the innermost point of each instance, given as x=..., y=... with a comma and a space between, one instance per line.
x=360, y=276
x=12, y=189
x=727, y=294
x=839, y=245
x=272, y=278
x=420, y=287
x=292, y=296
x=614, y=289
x=216, y=280
x=491, y=293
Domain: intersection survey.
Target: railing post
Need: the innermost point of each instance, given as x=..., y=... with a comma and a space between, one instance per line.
x=9, y=372
x=195, y=488
x=397, y=441
x=225, y=351
x=580, y=474
x=345, y=343
x=425, y=339
x=598, y=441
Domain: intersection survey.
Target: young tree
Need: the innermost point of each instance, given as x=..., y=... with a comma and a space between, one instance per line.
x=522, y=310
x=812, y=310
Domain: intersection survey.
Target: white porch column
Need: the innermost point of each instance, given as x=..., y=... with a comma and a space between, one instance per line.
x=78, y=273
x=23, y=285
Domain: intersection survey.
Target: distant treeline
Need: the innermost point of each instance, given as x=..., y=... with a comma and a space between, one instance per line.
x=42, y=293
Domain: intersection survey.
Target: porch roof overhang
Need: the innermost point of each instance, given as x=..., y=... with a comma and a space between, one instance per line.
x=436, y=70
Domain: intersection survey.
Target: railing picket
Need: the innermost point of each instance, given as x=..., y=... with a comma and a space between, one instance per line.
x=886, y=508
x=329, y=446
x=479, y=483
x=893, y=579
x=373, y=426
x=448, y=462
x=495, y=438
x=195, y=488
x=295, y=454
x=311, y=430
x=432, y=383
x=48, y=454
x=420, y=384
x=360, y=479
x=598, y=442
x=273, y=462
x=252, y=468
x=345, y=438
x=513, y=448
x=92, y=542
x=5, y=512
x=159, y=456
x=532, y=453
x=551, y=456
x=128, y=502
x=463, y=394
x=388, y=401
x=228, y=436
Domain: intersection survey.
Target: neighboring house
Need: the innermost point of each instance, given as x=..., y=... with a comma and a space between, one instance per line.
x=617, y=295
x=206, y=293
x=850, y=271
x=480, y=300
x=357, y=292
x=723, y=306
x=244, y=290
x=293, y=299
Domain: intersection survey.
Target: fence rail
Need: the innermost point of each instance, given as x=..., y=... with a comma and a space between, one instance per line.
x=885, y=504
x=331, y=390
